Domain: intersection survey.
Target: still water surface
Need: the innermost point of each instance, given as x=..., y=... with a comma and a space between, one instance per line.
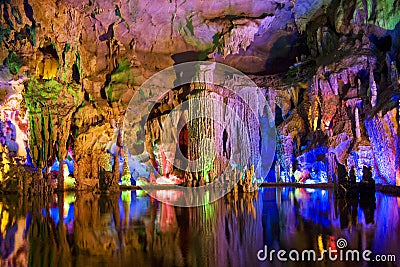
x=132, y=229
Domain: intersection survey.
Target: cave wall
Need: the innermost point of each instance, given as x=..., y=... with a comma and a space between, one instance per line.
x=352, y=95
x=80, y=62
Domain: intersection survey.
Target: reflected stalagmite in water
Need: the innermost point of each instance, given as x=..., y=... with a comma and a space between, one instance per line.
x=131, y=227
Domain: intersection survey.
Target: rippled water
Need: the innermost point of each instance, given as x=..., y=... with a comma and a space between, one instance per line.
x=131, y=229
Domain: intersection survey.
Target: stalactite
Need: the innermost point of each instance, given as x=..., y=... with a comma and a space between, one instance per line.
x=357, y=120
x=271, y=97
x=316, y=114
x=374, y=94
x=373, y=88
x=334, y=83
x=294, y=93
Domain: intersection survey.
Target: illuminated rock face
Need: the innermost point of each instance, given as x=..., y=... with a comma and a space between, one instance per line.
x=82, y=62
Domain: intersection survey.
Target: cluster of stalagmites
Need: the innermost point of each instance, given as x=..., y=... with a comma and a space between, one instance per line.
x=20, y=179
x=337, y=116
x=236, y=180
x=344, y=115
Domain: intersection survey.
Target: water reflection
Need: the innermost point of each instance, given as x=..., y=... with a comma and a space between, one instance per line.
x=132, y=228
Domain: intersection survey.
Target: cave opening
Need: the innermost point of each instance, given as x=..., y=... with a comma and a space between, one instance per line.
x=384, y=43
x=76, y=76
x=50, y=50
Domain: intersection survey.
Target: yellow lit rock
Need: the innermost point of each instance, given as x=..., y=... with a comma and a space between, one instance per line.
x=47, y=68
x=4, y=220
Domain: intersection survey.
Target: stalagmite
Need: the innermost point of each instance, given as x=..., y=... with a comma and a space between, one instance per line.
x=277, y=171
x=126, y=175
x=331, y=167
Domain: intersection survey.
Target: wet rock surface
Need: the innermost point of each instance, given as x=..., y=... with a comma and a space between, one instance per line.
x=85, y=229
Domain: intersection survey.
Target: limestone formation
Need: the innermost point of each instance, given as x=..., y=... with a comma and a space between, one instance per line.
x=327, y=69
